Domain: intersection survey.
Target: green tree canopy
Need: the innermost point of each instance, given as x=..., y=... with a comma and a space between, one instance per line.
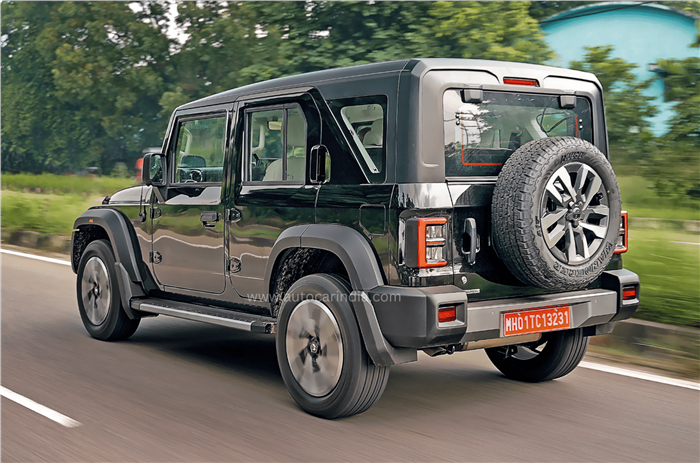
x=627, y=108
x=81, y=83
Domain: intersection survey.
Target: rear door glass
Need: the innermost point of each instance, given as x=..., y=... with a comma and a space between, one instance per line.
x=480, y=137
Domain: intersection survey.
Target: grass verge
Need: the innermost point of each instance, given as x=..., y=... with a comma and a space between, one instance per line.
x=62, y=184
x=641, y=200
x=46, y=214
x=669, y=270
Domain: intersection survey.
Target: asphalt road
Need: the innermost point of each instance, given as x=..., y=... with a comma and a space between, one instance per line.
x=184, y=391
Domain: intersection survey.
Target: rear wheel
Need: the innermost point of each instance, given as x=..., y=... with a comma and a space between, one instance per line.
x=555, y=355
x=320, y=351
x=99, y=301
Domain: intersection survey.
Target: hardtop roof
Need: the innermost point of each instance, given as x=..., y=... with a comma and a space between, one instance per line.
x=326, y=77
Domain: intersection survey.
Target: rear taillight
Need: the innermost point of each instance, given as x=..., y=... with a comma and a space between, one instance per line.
x=629, y=293
x=623, y=234
x=447, y=314
x=520, y=81
x=431, y=242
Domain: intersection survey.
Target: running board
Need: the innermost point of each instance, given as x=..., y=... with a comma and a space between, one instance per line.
x=201, y=313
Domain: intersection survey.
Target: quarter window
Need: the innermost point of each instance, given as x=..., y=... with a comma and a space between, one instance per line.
x=199, y=152
x=276, y=145
x=364, y=121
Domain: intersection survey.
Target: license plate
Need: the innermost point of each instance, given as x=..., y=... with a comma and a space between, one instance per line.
x=536, y=320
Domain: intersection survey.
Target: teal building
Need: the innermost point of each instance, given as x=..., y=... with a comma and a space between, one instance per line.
x=641, y=33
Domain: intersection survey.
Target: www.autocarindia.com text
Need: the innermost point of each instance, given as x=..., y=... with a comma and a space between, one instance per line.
x=338, y=297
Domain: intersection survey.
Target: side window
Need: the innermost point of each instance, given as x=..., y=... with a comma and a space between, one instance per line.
x=276, y=145
x=364, y=121
x=199, y=152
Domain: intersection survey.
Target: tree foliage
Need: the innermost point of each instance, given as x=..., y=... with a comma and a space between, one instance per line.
x=676, y=165
x=93, y=83
x=81, y=83
x=627, y=108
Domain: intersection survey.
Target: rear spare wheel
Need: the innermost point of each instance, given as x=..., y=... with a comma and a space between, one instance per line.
x=555, y=213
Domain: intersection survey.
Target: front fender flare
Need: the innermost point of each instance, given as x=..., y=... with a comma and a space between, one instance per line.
x=117, y=228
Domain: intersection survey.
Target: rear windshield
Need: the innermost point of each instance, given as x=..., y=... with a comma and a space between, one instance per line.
x=479, y=137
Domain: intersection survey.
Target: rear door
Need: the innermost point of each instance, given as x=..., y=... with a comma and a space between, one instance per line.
x=272, y=190
x=188, y=213
x=479, y=137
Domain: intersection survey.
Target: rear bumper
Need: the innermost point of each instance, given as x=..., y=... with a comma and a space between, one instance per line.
x=408, y=316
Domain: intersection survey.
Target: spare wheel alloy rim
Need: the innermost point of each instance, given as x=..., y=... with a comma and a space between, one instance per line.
x=314, y=347
x=96, y=290
x=574, y=213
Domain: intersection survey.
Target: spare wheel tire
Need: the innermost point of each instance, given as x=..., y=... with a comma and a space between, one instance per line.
x=555, y=213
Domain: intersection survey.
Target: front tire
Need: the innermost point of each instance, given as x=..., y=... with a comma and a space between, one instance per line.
x=99, y=300
x=320, y=351
x=557, y=354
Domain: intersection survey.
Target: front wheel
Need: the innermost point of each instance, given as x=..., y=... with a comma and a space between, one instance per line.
x=99, y=301
x=553, y=356
x=320, y=351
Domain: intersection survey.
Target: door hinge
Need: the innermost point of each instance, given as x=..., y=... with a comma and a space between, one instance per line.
x=155, y=257
x=155, y=212
x=233, y=215
x=234, y=265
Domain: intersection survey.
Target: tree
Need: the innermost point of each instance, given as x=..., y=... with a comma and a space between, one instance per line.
x=677, y=163
x=321, y=35
x=627, y=108
x=93, y=83
x=81, y=83
x=542, y=10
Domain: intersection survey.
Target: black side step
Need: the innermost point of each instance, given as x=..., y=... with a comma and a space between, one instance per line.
x=201, y=313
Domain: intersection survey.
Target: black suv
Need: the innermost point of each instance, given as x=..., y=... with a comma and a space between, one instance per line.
x=364, y=213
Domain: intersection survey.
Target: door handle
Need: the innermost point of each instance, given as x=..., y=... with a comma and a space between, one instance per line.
x=472, y=246
x=209, y=218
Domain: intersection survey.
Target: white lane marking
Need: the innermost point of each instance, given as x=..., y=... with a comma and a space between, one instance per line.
x=38, y=408
x=685, y=242
x=641, y=375
x=34, y=256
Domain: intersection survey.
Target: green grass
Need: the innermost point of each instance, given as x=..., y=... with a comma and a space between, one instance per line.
x=640, y=199
x=46, y=214
x=670, y=275
x=63, y=184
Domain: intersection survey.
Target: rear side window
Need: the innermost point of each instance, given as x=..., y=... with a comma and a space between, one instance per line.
x=479, y=137
x=363, y=120
x=276, y=145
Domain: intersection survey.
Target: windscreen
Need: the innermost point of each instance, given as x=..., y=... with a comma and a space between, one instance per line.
x=479, y=137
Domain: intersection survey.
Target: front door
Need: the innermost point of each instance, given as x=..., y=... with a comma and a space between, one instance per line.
x=272, y=190
x=188, y=213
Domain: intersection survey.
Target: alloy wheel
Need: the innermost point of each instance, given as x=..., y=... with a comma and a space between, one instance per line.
x=314, y=347
x=96, y=290
x=575, y=213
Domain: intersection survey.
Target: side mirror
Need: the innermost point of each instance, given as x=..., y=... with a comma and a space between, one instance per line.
x=152, y=169
x=320, y=164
